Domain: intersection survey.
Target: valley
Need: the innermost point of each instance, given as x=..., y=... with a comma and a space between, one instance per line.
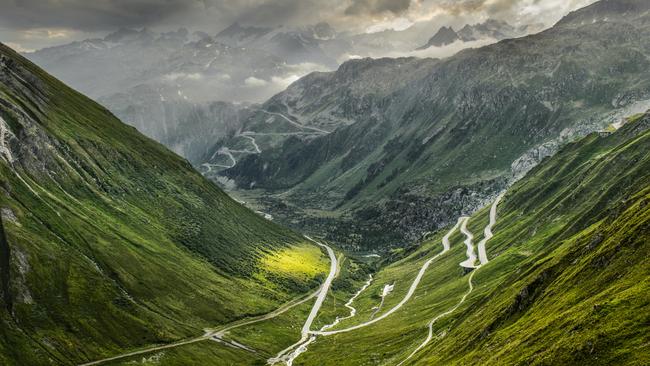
x=287, y=192
x=436, y=301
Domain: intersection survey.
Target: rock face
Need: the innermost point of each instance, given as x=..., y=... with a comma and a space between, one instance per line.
x=428, y=127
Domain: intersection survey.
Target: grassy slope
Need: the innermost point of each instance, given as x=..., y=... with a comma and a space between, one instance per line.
x=566, y=284
x=111, y=241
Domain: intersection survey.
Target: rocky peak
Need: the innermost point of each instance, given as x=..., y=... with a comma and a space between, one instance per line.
x=444, y=36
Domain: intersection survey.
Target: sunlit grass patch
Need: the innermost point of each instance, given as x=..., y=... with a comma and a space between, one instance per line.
x=300, y=262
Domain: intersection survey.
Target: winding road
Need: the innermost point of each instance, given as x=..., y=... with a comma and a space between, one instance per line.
x=409, y=294
x=294, y=122
x=299, y=347
x=228, y=152
x=483, y=259
x=308, y=336
x=430, y=325
x=218, y=334
x=353, y=310
x=471, y=255
x=254, y=143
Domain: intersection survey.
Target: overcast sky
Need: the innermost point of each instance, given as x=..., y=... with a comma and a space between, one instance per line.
x=33, y=24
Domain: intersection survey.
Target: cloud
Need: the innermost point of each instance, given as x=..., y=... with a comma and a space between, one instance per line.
x=181, y=75
x=18, y=47
x=444, y=51
x=283, y=82
x=374, y=7
x=255, y=82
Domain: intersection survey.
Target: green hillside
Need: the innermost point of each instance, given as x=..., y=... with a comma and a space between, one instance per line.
x=111, y=242
x=566, y=282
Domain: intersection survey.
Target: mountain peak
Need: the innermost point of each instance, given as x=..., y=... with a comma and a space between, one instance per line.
x=489, y=29
x=444, y=36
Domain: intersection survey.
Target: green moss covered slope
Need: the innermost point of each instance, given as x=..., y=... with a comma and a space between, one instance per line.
x=109, y=241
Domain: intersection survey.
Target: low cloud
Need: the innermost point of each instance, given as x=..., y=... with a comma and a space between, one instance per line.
x=18, y=47
x=444, y=51
x=255, y=82
x=182, y=76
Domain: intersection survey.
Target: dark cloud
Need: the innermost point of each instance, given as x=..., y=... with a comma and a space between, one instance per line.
x=375, y=7
x=88, y=15
x=286, y=12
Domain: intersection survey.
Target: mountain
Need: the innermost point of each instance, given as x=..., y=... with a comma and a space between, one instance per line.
x=110, y=242
x=188, y=129
x=409, y=158
x=606, y=10
x=237, y=35
x=490, y=29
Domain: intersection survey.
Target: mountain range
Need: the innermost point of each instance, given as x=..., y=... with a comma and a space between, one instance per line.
x=162, y=82
x=398, y=147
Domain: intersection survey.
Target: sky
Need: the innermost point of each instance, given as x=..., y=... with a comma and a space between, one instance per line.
x=33, y=24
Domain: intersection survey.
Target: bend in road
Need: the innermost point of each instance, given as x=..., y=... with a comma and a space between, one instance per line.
x=445, y=239
x=305, y=339
x=430, y=325
x=471, y=256
x=487, y=232
x=406, y=298
x=221, y=332
x=294, y=122
x=254, y=143
x=353, y=310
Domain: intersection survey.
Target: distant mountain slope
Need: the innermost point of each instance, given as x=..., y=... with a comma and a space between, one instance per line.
x=457, y=131
x=109, y=241
x=160, y=81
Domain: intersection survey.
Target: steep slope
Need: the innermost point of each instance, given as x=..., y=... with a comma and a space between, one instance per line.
x=458, y=131
x=188, y=129
x=109, y=241
x=572, y=283
x=566, y=281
